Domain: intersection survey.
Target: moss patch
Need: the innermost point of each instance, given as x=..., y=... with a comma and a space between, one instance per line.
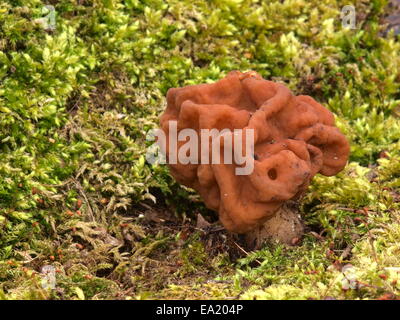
x=77, y=194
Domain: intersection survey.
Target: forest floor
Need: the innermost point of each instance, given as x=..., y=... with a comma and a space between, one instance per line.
x=79, y=92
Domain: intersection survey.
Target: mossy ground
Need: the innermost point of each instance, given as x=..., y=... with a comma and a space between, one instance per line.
x=77, y=194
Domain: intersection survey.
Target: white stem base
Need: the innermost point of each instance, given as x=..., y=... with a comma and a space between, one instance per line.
x=284, y=227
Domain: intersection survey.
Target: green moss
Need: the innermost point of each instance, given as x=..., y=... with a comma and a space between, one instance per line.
x=77, y=194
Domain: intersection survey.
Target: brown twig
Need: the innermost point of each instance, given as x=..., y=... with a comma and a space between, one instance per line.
x=80, y=188
x=245, y=252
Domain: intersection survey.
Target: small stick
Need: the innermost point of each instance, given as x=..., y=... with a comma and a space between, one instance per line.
x=245, y=252
x=78, y=185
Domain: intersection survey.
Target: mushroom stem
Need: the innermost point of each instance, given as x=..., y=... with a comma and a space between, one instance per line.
x=284, y=227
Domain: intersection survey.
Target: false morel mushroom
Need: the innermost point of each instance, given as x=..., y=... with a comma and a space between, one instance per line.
x=294, y=138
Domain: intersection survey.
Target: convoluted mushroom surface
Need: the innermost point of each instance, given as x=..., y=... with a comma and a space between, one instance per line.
x=294, y=138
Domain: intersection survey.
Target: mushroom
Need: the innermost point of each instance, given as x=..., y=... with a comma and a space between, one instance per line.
x=294, y=138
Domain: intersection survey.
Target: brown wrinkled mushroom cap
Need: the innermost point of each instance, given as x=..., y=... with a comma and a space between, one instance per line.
x=295, y=138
